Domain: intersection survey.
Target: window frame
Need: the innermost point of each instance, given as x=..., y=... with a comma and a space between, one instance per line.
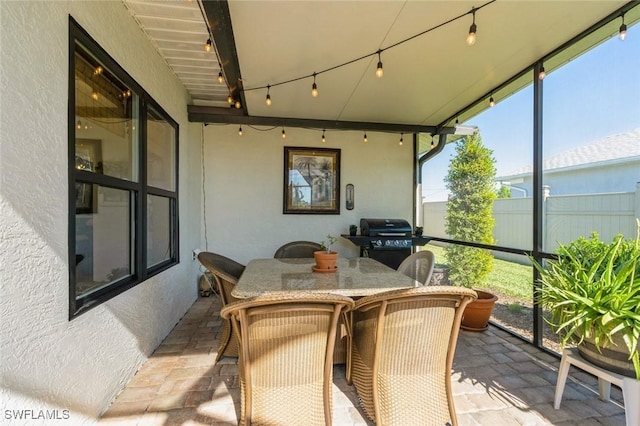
x=139, y=190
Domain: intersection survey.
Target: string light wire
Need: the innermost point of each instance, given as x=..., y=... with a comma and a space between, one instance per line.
x=377, y=52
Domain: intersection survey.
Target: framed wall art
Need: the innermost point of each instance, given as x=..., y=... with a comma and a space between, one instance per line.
x=311, y=180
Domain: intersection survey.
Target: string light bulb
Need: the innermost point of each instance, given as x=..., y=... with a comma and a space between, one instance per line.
x=79, y=125
x=622, y=32
x=542, y=74
x=268, y=99
x=94, y=95
x=284, y=134
x=365, y=137
x=314, y=87
x=401, y=139
x=492, y=102
x=98, y=70
x=471, y=37
x=323, y=138
x=220, y=77
x=379, y=70
x=230, y=99
x=238, y=105
x=432, y=142
x=207, y=45
x=240, y=131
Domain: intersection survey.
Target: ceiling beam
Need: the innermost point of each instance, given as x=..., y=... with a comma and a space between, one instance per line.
x=207, y=114
x=219, y=21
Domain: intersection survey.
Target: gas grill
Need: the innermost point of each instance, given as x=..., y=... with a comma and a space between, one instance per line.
x=388, y=241
x=396, y=233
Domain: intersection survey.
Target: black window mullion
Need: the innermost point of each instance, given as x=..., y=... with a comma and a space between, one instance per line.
x=142, y=178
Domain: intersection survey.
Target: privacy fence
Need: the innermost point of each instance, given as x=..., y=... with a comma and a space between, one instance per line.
x=565, y=218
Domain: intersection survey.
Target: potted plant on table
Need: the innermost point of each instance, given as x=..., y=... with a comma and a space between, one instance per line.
x=592, y=291
x=325, y=258
x=353, y=230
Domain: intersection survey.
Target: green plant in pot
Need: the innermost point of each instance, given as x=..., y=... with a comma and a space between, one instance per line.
x=470, y=180
x=325, y=258
x=592, y=292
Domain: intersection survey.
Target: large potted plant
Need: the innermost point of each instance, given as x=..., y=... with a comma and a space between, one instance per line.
x=592, y=291
x=325, y=258
x=471, y=180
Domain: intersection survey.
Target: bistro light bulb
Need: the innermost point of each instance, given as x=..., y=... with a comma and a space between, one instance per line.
x=622, y=33
x=314, y=87
x=238, y=105
x=401, y=139
x=230, y=99
x=323, y=138
x=94, y=95
x=207, y=46
x=284, y=134
x=492, y=102
x=365, y=137
x=379, y=70
x=220, y=77
x=268, y=99
x=471, y=37
x=541, y=74
x=79, y=125
x=240, y=131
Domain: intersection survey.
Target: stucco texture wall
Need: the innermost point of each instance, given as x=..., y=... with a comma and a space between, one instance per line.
x=48, y=362
x=244, y=188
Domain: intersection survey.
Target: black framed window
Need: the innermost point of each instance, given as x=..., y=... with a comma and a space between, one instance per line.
x=123, y=178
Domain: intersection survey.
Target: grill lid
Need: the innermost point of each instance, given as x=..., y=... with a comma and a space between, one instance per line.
x=385, y=227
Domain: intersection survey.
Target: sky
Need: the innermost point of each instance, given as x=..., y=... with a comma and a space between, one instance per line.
x=594, y=96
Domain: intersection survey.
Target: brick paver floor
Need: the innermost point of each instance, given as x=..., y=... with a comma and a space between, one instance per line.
x=498, y=380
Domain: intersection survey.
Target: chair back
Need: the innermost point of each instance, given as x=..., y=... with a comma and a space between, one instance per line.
x=286, y=356
x=402, y=353
x=297, y=249
x=226, y=273
x=419, y=266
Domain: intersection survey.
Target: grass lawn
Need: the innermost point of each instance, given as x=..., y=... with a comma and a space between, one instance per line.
x=506, y=278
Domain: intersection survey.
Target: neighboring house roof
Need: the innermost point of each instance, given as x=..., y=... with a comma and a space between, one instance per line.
x=611, y=149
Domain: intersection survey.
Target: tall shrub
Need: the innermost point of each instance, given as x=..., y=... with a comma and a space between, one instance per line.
x=470, y=181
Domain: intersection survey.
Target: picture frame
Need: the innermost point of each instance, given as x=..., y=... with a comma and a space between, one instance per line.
x=88, y=157
x=311, y=180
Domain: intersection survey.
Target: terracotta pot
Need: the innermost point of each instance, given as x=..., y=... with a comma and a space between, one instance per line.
x=477, y=313
x=614, y=357
x=325, y=261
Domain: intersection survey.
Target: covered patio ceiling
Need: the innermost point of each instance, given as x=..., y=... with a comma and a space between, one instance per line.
x=431, y=76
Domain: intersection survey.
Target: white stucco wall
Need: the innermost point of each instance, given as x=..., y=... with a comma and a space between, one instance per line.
x=48, y=362
x=244, y=187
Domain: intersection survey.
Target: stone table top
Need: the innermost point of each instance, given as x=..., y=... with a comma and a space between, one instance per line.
x=355, y=277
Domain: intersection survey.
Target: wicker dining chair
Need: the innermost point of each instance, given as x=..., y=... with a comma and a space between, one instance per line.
x=286, y=356
x=297, y=249
x=402, y=353
x=226, y=273
x=419, y=266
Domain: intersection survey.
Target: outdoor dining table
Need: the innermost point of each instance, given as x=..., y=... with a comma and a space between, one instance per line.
x=354, y=277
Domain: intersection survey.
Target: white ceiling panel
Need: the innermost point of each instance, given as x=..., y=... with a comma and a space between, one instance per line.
x=429, y=71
